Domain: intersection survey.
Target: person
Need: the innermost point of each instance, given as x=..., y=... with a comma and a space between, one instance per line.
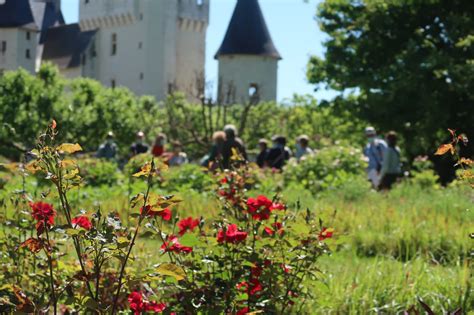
x=262, y=155
x=177, y=157
x=391, y=162
x=278, y=154
x=108, y=149
x=139, y=146
x=302, y=147
x=374, y=152
x=159, y=145
x=232, y=142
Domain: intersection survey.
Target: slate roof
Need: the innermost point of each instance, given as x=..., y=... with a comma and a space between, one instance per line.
x=247, y=33
x=37, y=14
x=64, y=45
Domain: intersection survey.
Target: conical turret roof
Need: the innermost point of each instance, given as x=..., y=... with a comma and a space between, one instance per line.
x=247, y=33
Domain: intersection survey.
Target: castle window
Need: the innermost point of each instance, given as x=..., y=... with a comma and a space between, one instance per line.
x=113, y=51
x=112, y=83
x=27, y=54
x=141, y=76
x=4, y=46
x=86, y=1
x=141, y=16
x=253, y=90
x=28, y=35
x=140, y=45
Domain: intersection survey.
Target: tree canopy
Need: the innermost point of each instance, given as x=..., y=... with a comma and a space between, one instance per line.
x=410, y=64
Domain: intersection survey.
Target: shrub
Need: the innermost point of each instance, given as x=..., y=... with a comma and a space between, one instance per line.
x=97, y=172
x=329, y=168
x=188, y=176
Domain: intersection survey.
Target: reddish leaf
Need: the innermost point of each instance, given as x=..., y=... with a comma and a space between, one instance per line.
x=24, y=305
x=53, y=124
x=33, y=244
x=444, y=148
x=452, y=132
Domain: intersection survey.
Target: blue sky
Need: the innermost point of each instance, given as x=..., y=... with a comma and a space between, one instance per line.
x=292, y=26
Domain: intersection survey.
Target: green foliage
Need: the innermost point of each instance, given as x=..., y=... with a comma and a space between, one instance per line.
x=409, y=64
x=188, y=177
x=330, y=168
x=97, y=172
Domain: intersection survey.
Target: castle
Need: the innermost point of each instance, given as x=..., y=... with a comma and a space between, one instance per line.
x=152, y=47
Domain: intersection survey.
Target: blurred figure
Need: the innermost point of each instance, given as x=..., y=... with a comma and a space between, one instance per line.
x=374, y=151
x=218, y=140
x=108, y=149
x=232, y=142
x=139, y=146
x=159, y=145
x=278, y=154
x=391, y=162
x=262, y=155
x=177, y=156
x=302, y=147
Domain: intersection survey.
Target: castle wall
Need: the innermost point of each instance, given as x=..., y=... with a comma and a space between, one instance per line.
x=17, y=45
x=241, y=72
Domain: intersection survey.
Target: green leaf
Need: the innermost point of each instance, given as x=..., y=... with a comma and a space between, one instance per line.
x=172, y=270
x=189, y=240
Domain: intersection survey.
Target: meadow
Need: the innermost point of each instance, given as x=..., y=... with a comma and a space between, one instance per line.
x=389, y=249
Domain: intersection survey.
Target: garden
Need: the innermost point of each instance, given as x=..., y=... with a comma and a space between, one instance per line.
x=80, y=236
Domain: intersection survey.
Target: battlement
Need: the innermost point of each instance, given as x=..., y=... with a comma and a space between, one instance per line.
x=95, y=14
x=195, y=10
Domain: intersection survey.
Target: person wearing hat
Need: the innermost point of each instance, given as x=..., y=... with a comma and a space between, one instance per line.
x=278, y=154
x=139, y=146
x=374, y=151
x=302, y=147
x=262, y=155
x=108, y=149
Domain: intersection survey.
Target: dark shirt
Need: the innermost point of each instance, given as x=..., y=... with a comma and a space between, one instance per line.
x=262, y=157
x=277, y=157
x=107, y=150
x=229, y=144
x=139, y=148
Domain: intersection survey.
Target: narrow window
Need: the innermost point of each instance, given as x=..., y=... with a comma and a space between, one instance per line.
x=141, y=17
x=141, y=76
x=140, y=45
x=86, y=1
x=253, y=90
x=114, y=44
x=28, y=35
x=27, y=54
x=83, y=59
x=93, y=51
x=4, y=46
x=112, y=83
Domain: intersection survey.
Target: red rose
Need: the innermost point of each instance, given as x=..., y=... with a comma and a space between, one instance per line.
x=164, y=214
x=173, y=245
x=277, y=227
x=261, y=207
x=187, y=224
x=243, y=311
x=231, y=235
x=251, y=288
x=82, y=221
x=325, y=233
x=44, y=214
x=138, y=305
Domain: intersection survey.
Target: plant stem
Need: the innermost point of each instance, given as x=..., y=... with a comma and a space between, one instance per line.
x=51, y=277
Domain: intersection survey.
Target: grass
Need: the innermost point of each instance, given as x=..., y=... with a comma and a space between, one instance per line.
x=395, y=247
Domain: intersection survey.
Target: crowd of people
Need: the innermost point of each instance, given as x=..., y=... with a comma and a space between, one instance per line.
x=383, y=156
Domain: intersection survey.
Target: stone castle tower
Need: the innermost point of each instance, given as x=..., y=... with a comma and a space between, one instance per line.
x=248, y=59
x=152, y=47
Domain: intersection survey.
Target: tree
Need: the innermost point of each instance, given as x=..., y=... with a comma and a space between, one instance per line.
x=410, y=64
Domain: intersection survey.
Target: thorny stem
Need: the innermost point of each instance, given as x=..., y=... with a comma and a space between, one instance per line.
x=132, y=243
x=51, y=277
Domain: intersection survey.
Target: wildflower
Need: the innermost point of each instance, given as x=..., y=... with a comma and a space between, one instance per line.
x=82, y=221
x=325, y=233
x=277, y=227
x=173, y=245
x=231, y=235
x=187, y=224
